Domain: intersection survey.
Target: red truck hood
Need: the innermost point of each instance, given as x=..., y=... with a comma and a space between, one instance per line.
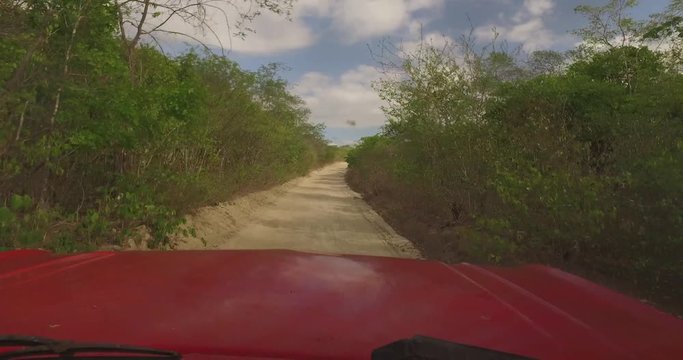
x=283, y=304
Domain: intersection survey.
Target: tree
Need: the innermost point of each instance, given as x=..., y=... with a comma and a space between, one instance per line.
x=667, y=24
x=546, y=62
x=666, y=29
x=87, y=155
x=139, y=19
x=609, y=25
x=626, y=66
x=502, y=67
x=579, y=167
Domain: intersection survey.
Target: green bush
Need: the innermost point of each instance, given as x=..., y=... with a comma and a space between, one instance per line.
x=579, y=169
x=138, y=138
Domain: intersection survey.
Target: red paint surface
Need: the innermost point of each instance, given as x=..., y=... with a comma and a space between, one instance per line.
x=281, y=304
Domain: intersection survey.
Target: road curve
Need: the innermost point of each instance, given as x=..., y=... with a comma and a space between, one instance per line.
x=318, y=213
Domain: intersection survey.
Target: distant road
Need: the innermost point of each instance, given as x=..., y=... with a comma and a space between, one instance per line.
x=318, y=213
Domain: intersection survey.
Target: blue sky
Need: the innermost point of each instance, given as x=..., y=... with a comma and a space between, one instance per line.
x=325, y=45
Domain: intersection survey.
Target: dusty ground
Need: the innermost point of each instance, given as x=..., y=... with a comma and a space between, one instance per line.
x=318, y=213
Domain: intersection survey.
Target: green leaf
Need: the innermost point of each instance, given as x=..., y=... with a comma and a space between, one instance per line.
x=7, y=217
x=19, y=202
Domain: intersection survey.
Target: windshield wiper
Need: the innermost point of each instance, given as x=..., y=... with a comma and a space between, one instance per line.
x=426, y=348
x=36, y=347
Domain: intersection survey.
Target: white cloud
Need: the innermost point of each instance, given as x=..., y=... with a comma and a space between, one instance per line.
x=336, y=101
x=532, y=33
x=272, y=33
x=527, y=27
x=351, y=20
x=539, y=7
x=433, y=39
x=358, y=20
x=317, y=8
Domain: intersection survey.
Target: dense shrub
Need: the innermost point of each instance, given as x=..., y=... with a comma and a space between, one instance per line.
x=98, y=139
x=580, y=168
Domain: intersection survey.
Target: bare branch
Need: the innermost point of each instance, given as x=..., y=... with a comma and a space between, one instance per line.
x=137, y=13
x=122, y=29
x=136, y=38
x=158, y=44
x=205, y=46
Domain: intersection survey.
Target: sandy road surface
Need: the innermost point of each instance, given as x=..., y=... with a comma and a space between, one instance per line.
x=317, y=213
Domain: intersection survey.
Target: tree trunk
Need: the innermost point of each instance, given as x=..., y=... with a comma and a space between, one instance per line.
x=44, y=197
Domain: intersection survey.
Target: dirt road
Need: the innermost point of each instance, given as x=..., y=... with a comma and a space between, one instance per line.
x=317, y=213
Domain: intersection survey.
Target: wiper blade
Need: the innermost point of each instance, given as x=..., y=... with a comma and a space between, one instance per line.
x=426, y=348
x=33, y=346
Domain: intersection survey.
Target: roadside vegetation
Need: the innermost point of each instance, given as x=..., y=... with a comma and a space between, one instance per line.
x=104, y=136
x=570, y=159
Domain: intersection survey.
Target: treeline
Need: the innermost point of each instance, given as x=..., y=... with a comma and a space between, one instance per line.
x=574, y=160
x=100, y=138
